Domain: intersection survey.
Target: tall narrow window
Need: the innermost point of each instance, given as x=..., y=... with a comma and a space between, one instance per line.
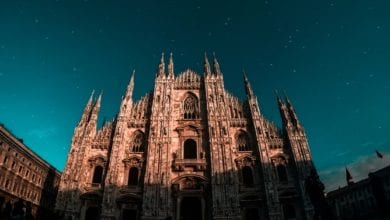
x=190, y=151
x=190, y=107
x=243, y=142
x=247, y=177
x=282, y=173
x=138, y=142
x=97, y=174
x=133, y=177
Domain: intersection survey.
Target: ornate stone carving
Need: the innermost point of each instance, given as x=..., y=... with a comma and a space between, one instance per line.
x=229, y=135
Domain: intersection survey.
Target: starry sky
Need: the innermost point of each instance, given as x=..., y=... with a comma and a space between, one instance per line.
x=331, y=57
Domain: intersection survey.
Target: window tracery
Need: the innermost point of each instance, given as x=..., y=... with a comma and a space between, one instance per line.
x=190, y=107
x=138, y=142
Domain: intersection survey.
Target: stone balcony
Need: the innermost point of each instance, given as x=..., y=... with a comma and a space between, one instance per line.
x=196, y=164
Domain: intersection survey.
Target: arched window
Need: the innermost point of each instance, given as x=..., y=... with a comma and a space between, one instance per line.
x=190, y=107
x=243, y=142
x=282, y=173
x=190, y=151
x=97, y=174
x=247, y=177
x=138, y=142
x=133, y=177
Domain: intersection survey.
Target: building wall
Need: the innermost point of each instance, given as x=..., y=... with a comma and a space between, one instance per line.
x=243, y=166
x=367, y=199
x=25, y=176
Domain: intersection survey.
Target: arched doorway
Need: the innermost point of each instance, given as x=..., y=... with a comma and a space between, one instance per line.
x=92, y=213
x=191, y=208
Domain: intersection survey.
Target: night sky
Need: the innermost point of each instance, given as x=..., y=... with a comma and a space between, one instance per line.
x=331, y=57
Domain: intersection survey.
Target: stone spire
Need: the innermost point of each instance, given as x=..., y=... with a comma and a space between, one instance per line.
x=170, y=66
x=217, y=70
x=96, y=109
x=130, y=87
x=127, y=99
x=291, y=111
x=286, y=119
x=278, y=98
x=161, y=67
x=87, y=110
x=207, y=69
x=248, y=88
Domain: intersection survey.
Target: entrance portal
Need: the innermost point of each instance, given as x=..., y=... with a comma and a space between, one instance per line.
x=191, y=208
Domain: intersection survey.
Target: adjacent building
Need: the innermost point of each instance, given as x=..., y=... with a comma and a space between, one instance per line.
x=25, y=177
x=187, y=150
x=366, y=199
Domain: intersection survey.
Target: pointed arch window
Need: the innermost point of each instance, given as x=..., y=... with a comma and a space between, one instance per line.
x=243, y=142
x=190, y=150
x=133, y=177
x=190, y=107
x=138, y=142
x=247, y=176
x=97, y=175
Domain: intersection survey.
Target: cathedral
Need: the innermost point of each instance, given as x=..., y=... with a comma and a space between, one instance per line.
x=188, y=150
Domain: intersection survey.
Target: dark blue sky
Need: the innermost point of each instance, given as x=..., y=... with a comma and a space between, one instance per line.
x=332, y=58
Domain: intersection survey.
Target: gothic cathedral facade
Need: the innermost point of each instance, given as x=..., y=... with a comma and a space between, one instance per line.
x=187, y=150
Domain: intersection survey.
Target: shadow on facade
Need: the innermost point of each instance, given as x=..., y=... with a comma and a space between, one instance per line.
x=240, y=194
x=48, y=195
